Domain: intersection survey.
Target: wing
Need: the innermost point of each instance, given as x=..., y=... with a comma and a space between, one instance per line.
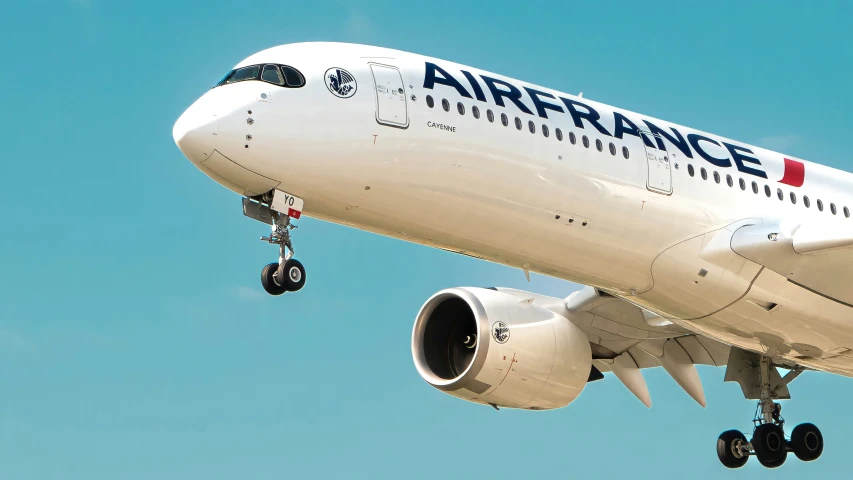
x=626, y=338
x=816, y=255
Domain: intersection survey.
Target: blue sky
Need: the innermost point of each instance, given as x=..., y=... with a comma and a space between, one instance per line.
x=135, y=342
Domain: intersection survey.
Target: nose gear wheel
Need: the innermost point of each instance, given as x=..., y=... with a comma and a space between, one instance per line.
x=270, y=282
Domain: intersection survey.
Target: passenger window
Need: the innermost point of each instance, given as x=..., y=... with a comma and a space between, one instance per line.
x=475, y=111
x=531, y=126
x=626, y=154
x=690, y=170
x=292, y=76
x=245, y=73
x=517, y=123
x=598, y=145
x=430, y=101
x=504, y=119
x=545, y=131
x=806, y=201
x=793, y=198
x=833, y=209
x=272, y=75
x=754, y=187
x=490, y=115
x=767, y=191
x=717, y=177
x=573, y=138
x=445, y=104
x=612, y=149
x=559, y=134
x=820, y=205
x=704, y=174
x=460, y=108
x=846, y=212
x=780, y=194
x=730, y=181
x=585, y=141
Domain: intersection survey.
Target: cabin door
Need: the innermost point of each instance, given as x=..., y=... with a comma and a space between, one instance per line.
x=390, y=96
x=660, y=166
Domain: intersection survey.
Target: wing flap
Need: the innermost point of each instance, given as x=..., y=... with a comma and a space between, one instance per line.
x=696, y=351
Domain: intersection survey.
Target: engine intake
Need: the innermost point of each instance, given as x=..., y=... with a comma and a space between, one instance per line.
x=450, y=338
x=496, y=348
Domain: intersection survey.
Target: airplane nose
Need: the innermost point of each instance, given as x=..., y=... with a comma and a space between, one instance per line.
x=195, y=133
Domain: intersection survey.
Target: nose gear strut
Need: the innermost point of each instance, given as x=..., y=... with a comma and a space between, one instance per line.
x=288, y=274
x=280, y=235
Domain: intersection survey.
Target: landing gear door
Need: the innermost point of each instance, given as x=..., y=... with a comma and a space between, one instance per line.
x=660, y=167
x=390, y=96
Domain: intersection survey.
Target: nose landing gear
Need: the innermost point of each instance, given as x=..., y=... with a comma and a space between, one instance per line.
x=288, y=275
x=768, y=442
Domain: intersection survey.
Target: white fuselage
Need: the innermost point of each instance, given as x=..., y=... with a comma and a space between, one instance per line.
x=640, y=227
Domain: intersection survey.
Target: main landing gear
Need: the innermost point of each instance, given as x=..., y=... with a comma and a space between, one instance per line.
x=288, y=275
x=768, y=442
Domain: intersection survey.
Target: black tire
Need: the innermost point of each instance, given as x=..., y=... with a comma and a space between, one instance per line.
x=294, y=275
x=727, y=451
x=777, y=463
x=768, y=441
x=807, y=442
x=269, y=280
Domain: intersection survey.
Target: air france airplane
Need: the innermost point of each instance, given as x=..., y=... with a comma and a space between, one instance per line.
x=696, y=249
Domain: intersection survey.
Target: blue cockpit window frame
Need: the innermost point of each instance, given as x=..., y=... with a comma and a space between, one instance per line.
x=293, y=78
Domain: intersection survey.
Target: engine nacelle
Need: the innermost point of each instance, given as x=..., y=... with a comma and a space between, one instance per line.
x=500, y=349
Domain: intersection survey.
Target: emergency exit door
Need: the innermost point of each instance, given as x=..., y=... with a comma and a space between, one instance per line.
x=390, y=96
x=660, y=170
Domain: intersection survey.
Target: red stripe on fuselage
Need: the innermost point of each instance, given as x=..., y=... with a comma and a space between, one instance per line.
x=795, y=173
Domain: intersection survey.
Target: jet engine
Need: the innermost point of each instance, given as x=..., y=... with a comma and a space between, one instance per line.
x=500, y=349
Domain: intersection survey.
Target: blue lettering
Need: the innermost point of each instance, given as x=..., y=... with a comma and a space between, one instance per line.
x=623, y=125
x=678, y=140
x=511, y=93
x=542, y=105
x=590, y=115
x=430, y=79
x=694, y=140
x=739, y=158
x=478, y=92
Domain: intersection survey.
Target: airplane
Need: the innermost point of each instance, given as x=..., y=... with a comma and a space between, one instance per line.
x=693, y=248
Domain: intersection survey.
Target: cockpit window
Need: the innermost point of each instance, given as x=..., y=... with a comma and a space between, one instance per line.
x=272, y=75
x=293, y=77
x=222, y=82
x=243, y=74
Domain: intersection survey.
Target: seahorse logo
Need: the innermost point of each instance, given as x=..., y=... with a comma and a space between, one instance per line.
x=340, y=82
x=500, y=331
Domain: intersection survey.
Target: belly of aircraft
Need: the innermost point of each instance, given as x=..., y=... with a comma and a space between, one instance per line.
x=785, y=320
